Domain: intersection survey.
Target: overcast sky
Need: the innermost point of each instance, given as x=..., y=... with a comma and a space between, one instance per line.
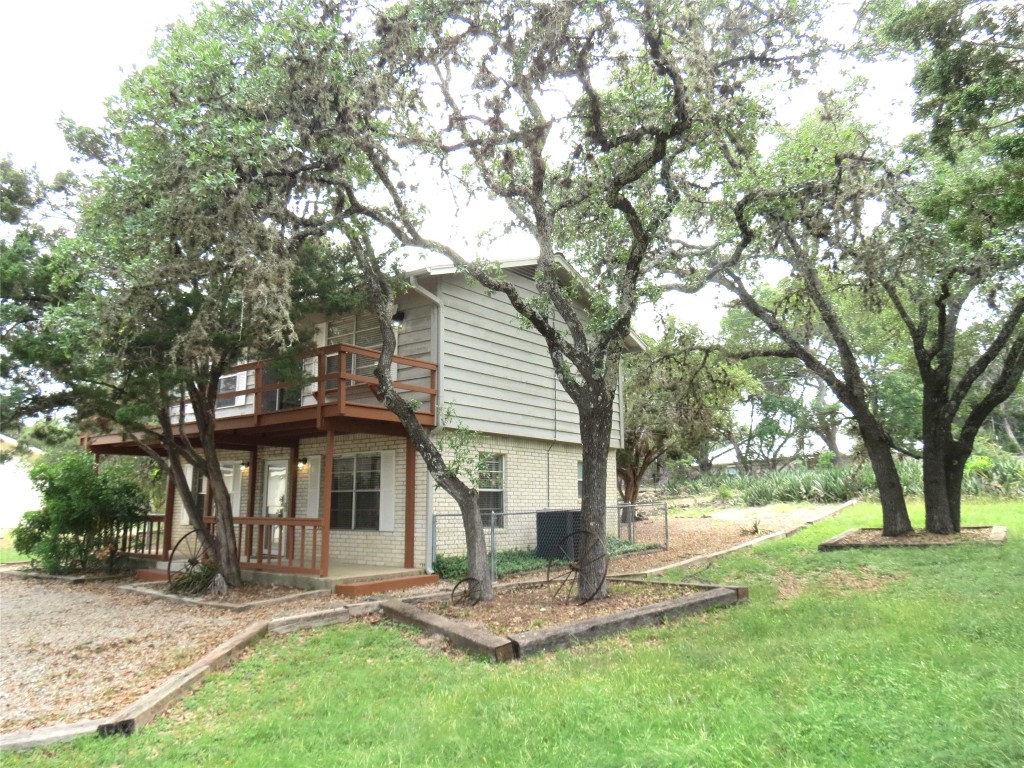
x=67, y=57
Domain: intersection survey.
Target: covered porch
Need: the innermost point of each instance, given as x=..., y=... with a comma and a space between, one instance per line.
x=281, y=460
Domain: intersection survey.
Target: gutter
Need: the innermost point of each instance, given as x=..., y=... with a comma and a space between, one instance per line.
x=428, y=523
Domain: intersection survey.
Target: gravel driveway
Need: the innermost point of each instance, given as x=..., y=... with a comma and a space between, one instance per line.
x=71, y=652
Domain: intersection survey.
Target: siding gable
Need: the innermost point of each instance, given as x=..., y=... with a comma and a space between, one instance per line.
x=497, y=373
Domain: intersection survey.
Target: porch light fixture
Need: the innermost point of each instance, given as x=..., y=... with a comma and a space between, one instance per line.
x=398, y=320
x=245, y=466
x=301, y=464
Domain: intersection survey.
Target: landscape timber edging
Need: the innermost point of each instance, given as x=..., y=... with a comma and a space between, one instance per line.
x=519, y=645
x=997, y=535
x=459, y=634
x=149, y=706
x=704, y=559
x=547, y=639
x=223, y=606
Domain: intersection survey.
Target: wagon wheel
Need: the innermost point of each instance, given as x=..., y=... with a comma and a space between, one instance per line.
x=467, y=592
x=188, y=554
x=576, y=552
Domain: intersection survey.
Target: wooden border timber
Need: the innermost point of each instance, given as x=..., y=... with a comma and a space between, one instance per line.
x=459, y=634
x=997, y=535
x=567, y=635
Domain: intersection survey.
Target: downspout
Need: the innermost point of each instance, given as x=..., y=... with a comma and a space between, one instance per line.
x=428, y=521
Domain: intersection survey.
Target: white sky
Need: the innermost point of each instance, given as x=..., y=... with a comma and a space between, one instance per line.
x=69, y=56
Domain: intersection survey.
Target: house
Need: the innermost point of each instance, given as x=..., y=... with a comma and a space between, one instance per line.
x=323, y=480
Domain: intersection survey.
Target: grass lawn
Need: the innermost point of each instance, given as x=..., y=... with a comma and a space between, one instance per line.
x=854, y=658
x=7, y=553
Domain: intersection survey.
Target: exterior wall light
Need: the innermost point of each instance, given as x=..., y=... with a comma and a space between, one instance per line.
x=398, y=320
x=302, y=463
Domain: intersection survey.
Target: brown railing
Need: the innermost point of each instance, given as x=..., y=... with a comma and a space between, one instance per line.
x=145, y=538
x=279, y=544
x=341, y=384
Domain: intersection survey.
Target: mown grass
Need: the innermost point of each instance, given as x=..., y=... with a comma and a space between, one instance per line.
x=856, y=658
x=7, y=551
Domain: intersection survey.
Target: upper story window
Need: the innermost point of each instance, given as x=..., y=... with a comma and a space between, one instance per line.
x=227, y=388
x=362, y=330
x=491, y=489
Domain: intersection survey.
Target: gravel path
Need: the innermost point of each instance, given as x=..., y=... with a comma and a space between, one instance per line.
x=71, y=652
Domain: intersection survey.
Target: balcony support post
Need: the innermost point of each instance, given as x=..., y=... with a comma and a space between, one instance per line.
x=325, y=505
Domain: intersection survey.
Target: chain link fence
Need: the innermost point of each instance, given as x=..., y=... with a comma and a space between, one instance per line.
x=531, y=538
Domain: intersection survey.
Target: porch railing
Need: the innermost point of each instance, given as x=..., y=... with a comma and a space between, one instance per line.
x=145, y=538
x=279, y=544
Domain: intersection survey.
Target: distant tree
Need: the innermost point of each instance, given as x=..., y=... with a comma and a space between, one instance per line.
x=957, y=302
x=678, y=397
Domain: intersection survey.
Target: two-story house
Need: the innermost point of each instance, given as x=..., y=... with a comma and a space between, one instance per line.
x=323, y=480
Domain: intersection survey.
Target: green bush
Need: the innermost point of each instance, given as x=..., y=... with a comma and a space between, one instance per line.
x=83, y=509
x=456, y=567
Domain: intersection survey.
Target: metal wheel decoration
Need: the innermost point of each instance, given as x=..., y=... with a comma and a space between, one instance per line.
x=467, y=592
x=188, y=554
x=577, y=552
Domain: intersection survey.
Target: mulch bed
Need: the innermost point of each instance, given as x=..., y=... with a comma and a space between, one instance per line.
x=872, y=537
x=531, y=606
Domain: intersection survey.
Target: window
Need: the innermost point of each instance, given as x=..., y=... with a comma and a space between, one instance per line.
x=356, y=493
x=201, y=493
x=579, y=479
x=362, y=330
x=228, y=386
x=492, y=490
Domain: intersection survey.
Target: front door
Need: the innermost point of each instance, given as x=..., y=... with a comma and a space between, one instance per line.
x=275, y=503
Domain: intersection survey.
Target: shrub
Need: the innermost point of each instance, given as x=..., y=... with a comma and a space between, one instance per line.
x=83, y=509
x=196, y=581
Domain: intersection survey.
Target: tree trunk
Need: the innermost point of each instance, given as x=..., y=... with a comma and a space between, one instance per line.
x=224, y=531
x=895, y=520
x=935, y=460
x=595, y=433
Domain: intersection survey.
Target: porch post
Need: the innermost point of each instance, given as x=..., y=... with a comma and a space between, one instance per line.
x=169, y=518
x=325, y=505
x=293, y=490
x=410, y=504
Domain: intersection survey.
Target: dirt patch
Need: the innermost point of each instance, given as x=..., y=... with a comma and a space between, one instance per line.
x=872, y=537
x=531, y=606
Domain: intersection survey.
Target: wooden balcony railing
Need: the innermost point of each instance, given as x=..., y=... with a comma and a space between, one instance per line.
x=338, y=381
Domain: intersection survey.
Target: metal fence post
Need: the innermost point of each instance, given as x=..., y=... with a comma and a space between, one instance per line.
x=494, y=553
x=433, y=542
x=664, y=509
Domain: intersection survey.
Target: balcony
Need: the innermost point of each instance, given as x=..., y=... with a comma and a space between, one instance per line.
x=338, y=392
